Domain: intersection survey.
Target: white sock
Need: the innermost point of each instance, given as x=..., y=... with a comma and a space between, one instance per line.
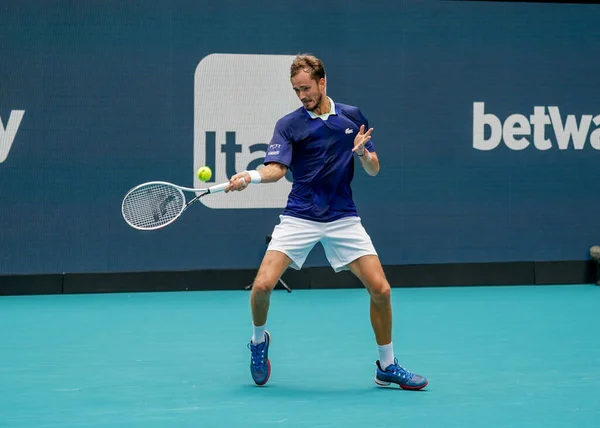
x=258, y=335
x=386, y=355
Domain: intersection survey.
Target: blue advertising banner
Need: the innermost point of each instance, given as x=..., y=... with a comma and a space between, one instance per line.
x=485, y=114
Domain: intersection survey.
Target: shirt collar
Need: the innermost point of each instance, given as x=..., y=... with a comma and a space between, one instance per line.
x=323, y=116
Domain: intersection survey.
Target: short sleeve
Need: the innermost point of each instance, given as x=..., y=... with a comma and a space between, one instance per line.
x=280, y=147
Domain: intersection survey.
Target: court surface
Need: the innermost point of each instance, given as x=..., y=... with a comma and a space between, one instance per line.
x=495, y=357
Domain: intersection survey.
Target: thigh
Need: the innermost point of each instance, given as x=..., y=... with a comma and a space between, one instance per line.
x=273, y=265
x=295, y=238
x=346, y=240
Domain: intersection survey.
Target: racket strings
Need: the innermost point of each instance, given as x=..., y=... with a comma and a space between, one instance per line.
x=153, y=205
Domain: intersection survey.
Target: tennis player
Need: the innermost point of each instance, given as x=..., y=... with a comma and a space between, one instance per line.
x=318, y=142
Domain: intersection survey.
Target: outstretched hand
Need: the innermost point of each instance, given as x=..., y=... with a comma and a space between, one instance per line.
x=361, y=139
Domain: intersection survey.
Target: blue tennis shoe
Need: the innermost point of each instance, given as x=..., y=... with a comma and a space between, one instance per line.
x=260, y=366
x=397, y=374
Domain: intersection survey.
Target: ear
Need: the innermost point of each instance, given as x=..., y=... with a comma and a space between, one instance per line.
x=322, y=83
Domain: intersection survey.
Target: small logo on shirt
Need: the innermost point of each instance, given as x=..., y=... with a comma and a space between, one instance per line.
x=349, y=131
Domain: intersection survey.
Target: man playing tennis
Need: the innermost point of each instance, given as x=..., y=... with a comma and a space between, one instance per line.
x=317, y=142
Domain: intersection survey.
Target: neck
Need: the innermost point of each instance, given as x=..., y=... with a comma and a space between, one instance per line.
x=323, y=107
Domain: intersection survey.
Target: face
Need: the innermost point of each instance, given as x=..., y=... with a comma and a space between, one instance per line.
x=308, y=91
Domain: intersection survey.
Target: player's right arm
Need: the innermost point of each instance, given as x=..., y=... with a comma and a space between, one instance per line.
x=269, y=173
x=272, y=172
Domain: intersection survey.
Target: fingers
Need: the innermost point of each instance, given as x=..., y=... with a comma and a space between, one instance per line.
x=362, y=131
x=238, y=182
x=361, y=139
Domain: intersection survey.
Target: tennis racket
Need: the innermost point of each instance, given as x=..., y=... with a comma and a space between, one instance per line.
x=157, y=204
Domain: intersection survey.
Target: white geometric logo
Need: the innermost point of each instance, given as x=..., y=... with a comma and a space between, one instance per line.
x=7, y=135
x=238, y=98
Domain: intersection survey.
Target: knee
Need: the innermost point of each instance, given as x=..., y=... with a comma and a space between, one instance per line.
x=381, y=292
x=262, y=284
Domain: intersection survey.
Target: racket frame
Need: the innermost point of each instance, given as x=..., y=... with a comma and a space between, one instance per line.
x=199, y=193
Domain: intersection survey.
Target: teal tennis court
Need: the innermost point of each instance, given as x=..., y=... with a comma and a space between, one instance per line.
x=526, y=356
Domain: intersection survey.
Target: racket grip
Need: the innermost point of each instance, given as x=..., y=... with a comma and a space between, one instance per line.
x=218, y=187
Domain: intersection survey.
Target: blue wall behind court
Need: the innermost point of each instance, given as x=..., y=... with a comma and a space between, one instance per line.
x=107, y=90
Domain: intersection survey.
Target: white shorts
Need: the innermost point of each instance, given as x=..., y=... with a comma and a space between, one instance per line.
x=344, y=240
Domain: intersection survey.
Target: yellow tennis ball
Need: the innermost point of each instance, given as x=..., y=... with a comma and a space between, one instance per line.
x=204, y=173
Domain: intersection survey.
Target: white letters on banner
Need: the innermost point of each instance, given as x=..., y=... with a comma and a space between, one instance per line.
x=519, y=131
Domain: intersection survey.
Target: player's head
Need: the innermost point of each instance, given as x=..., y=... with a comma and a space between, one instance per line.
x=307, y=75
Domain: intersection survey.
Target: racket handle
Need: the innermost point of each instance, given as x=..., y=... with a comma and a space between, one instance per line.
x=218, y=187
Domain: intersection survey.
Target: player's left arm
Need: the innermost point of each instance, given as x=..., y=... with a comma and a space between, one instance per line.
x=368, y=160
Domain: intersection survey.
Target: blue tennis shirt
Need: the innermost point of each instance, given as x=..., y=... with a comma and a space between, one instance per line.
x=318, y=152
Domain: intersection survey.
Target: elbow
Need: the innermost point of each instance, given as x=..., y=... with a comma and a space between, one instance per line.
x=281, y=170
x=273, y=172
x=373, y=172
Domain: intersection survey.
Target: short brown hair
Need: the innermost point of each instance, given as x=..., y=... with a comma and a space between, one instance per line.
x=309, y=63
